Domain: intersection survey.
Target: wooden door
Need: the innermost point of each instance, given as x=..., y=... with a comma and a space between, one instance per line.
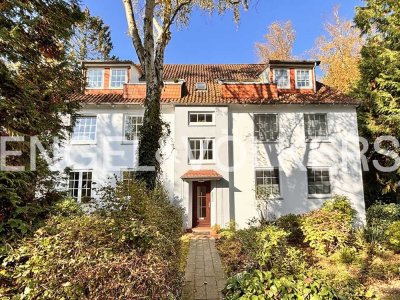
x=201, y=204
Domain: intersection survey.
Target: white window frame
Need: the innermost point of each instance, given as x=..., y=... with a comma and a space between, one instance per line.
x=309, y=79
x=202, y=150
x=87, y=79
x=261, y=169
x=125, y=81
x=190, y=113
x=88, y=141
x=321, y=168
x=275, y=81
x=316, y=138
x=256, y=138
x=80, y=184
x=124, y=139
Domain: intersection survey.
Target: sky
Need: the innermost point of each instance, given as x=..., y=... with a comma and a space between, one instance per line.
x=217, y=39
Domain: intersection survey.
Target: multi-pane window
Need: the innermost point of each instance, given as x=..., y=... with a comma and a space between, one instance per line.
x=196, y=118
x=201, y=149
x=282, y=78
x=84, y=129
x=266, y=127
x=318, y=181
x=127, y=177
x=94, y=78
x=118, y=78
x=303, y=79
x=80, y=185
x=316, y=126
x=267, y=182
x=132, y=127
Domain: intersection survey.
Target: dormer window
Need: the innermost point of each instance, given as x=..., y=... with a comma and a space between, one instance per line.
x=282, y=78
x=118, y=78
x=94, y=78
x=201, y=86
x=303, y=79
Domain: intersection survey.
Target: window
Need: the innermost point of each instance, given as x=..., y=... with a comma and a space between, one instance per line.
x=315, y=126
x=132, y=127
x=266, y=127
x=318, y=181
x=84, y=129
x=95, y=78
x=282, y=78
x=127, y=177
x=303, y=79
x=118, y=78
x=80, y=185
x=201, y=118
x=267, y=182
x=201, y=149
x=200, y=86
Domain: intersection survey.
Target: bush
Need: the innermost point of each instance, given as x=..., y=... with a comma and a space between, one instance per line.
x=264, y=285
x=291, y=223
x=379, y=218
x=329, y=228
x=393, y=236
x=120, y=251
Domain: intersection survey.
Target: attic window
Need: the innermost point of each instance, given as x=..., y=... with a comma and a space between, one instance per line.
x=201, y=86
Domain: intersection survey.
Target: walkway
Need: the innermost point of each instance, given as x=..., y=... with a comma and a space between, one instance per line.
x=204, y=277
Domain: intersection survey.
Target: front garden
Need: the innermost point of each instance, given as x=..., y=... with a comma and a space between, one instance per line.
x=318, y=255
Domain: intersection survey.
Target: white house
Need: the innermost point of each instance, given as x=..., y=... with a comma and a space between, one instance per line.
x=234, y=130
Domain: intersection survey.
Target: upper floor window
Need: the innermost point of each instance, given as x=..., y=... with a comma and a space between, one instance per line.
x=266, y=127
x=267, y=182
x=84, y=129
x=201, y=149
x=282, y=78
x=201, y=118
x=316, y=126
x=303, y=79
x=80, y=185
x=94, y=78
x=132, y=127
x=318, y=181
x=200, y=86
x=118, y=78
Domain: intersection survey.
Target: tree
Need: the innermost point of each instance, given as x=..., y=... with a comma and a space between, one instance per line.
x=339, y=53
x=36, y=78
x=379, y=89
x=92, y=39
x=279, y=42
x=158, y=17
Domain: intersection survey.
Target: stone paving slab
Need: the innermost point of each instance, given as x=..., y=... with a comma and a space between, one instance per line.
x=204, y=277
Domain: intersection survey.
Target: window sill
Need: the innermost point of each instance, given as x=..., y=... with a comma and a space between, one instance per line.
x=327, y=141
x=83, y=142
x=267, y=142
x=320, y=196
x=130, y=142
x=201, y=124
x=197, y=162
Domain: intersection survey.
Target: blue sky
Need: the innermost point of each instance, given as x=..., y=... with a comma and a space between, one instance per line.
x=216, y=39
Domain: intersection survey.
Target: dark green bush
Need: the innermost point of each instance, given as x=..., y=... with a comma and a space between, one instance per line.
x=329, y=228
x=379, y=218
x=292, y=224
x=265, y=285
x=119, y=252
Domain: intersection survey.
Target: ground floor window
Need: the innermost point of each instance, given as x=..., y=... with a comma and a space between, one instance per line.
x=267, y=182
x=127, y=176
x=80, y=185
x=318, y=181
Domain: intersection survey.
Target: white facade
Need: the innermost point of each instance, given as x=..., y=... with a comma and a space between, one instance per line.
x=234, y=153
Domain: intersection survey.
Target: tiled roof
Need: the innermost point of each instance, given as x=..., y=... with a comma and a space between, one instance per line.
x=211, y=74
x=202, y=174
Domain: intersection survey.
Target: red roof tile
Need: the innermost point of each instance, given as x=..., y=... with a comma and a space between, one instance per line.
x=211, y=74
x=201, y=174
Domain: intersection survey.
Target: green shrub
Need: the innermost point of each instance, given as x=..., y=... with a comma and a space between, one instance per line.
x=122, y=252
x=67, y=207
x=264, y=285
x=329, y=228
x=379, y=218
x=348, y=254
x=291, y=223
x=393, y=236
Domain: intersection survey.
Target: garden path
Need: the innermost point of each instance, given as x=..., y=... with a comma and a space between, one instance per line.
x=204, y=277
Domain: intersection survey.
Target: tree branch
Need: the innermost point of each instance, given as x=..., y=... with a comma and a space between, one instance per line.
x=134, y=32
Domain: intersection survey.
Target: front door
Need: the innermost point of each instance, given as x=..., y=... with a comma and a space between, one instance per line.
x=201, y=203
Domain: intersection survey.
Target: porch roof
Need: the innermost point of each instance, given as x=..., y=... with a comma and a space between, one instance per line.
x=202, y=175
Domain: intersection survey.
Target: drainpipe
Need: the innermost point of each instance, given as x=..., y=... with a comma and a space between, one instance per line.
x=315, y=78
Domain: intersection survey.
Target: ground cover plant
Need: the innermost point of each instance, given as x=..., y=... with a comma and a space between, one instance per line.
x=318, y=255
x=128, y=248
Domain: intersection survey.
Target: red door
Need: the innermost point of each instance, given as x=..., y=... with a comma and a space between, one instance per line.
x=201, y=204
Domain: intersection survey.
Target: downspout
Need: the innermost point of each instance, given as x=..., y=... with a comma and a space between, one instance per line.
x=315, y=78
